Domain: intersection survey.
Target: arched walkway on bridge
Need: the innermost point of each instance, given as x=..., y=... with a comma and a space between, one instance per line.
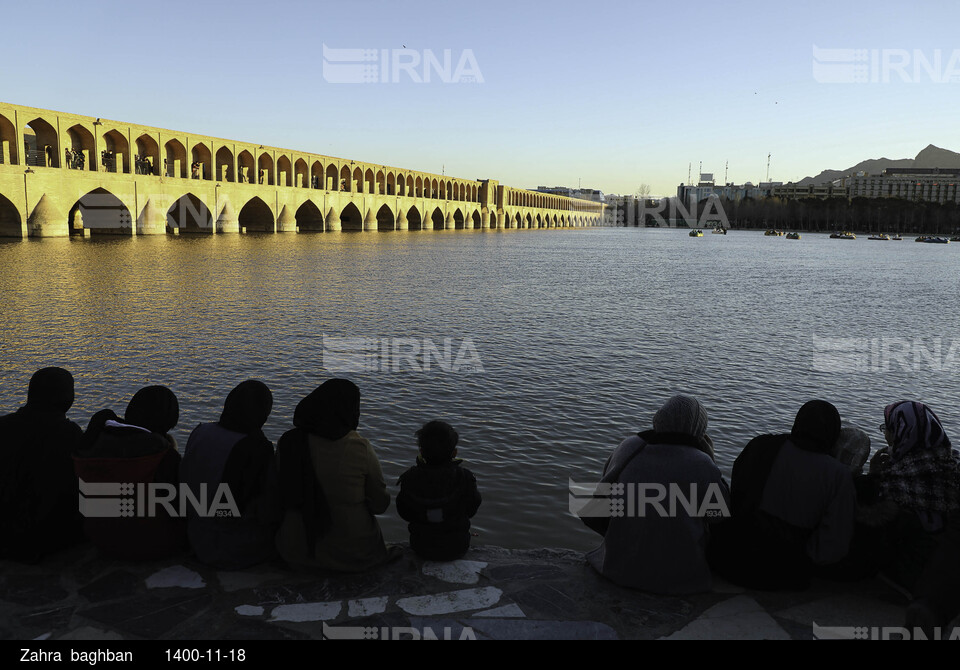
x=100, y=210
x=175, y=159
x=80, y=141
x=350, y=218
x=42, y=147
x=301, y=176
x=246, y=168
x=10, y=221
x=265, y=170
x=257, y=217
x=309, y=217
x=225, y=165
x=9, y=151
x=284, y=172
x=149, y=150
x=118, y=158
x=385, y=220
x=190, y=215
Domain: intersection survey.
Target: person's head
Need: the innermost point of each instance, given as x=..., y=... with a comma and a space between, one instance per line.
x=852, y=448
x=682, y=415
x=154, y=408
x=816, y=427
x=247, y=407
x=51, y=390
x=331, y=411
x=438, y=442
x=912, y=426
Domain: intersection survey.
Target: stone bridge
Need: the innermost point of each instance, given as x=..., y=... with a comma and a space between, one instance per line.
x=63, y=174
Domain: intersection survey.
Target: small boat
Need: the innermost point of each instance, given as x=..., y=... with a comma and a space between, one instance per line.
x=793, y=236
x=719, y=230
x=881, y=236
x=696, y=233
x=896, y=238
x=843, y=235
x=774, y=233
x=933, y=240
x=955, y=238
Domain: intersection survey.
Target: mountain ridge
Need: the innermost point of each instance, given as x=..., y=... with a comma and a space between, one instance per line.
x=930, y=156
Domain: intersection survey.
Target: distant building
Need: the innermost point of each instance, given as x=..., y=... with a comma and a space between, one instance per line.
x=581, y=193
x=707, y=187
x=924, y=184
x=793, y=191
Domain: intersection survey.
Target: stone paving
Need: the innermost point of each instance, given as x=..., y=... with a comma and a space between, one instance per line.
x=493, y=593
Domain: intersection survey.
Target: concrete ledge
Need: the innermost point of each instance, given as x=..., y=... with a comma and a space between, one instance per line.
x=492, y=593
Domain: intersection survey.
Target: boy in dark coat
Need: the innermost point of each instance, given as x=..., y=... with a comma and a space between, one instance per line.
x=438, y=496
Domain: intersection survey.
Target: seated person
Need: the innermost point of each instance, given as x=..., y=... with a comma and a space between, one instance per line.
x=660, y=548
x=234, y=452
x=38, y=487
x=136, y=450
x=438, y=496
x=331, y=485
x=794, y=506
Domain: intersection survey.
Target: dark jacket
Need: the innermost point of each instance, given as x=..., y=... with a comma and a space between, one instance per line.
x=246, y=464
x=38, y=487
x=438, y=502
x=125, y=454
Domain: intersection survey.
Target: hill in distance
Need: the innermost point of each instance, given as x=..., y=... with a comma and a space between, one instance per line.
x=931, y=157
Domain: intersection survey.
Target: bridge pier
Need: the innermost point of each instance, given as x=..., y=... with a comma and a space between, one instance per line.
x=47, y=221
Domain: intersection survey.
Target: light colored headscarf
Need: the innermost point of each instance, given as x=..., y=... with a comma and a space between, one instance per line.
x=685, y=416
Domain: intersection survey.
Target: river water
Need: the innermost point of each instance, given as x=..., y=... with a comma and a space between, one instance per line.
x=561, y=342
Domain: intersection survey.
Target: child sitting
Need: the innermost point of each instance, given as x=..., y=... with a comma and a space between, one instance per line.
x=438, y=496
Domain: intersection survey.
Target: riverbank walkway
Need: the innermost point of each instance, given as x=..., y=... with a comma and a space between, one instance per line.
x=492, y=593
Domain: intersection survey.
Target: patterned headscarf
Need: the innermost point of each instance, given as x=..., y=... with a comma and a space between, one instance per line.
x=919, y=470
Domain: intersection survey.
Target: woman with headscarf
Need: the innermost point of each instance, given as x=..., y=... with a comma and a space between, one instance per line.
x=332, y=485
x=236, y=463
x=38, y=487
x=673, y=491
x=915, y=504
x=137, y=449
x=794, y=506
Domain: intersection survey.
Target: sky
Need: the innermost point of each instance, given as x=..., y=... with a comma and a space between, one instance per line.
x=607, y=94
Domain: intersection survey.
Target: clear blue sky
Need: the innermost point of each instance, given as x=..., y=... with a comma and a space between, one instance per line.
x=613, y=94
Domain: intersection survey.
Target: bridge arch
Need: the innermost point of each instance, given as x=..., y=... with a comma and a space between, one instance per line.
x=284, y=171
x=368, y=178
x=257, y=217
x=8, y=142
x=45, y=149
x=225, y=167
x=201, y=165
x=411, y=192
x=414, y=220
x=330, y=175
x=436, y=219
x=418, y=186
x=458, y=219
x=190, y=215
x=265, y=170
x=381, y=187
x=391, y=184
x=345, y=180
x=247, y=168
x=10, y=220
x=175, y=159
x=309, y=217
x=317, y=179
x=301, y=174
x=149, y=151
x=493, y=219
x=80, y=141
x=115, y=143
x=385, y=219
x=358, y=180
x=102, y=211
x=350, y=218
x=476, y=219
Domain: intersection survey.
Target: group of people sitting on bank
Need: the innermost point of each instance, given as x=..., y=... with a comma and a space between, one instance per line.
x=798, y=506
x=230, y=498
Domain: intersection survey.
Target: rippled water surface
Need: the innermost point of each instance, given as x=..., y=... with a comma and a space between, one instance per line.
x=581, y=335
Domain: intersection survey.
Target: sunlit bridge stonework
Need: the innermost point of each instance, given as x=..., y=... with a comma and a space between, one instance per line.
x=64, y=174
